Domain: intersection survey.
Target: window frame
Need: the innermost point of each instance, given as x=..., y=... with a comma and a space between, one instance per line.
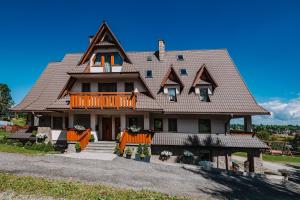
x=126, y=84
x=83, y=85
x=150, y=71
x=183, y=74
x=162, y=124
x=170, y=96
x=206, y=97
x=206, y=121
x=169, y=125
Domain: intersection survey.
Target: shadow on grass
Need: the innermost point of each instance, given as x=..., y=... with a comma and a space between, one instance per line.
x=240, y=187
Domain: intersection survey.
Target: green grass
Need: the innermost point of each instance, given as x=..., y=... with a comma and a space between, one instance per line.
x=73, y=190
x=15, y=149
x=2, y=133
x=274, y=158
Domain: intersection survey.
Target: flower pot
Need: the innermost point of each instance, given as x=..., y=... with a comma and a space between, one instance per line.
x=128, y=156
x=78, y=150
x=143, y=159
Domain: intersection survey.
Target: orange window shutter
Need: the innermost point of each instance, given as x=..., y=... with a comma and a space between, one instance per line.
x=102, y=60
x=112, y=59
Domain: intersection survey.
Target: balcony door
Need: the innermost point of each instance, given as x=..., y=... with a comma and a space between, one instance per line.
x=106, y=128
x=107, y=87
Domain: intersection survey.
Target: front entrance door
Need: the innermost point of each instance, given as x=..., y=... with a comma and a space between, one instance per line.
x=106, y=128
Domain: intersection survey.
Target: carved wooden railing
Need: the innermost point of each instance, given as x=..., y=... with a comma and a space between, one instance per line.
x=81, y=137
x=134, y=138
x=102, y=100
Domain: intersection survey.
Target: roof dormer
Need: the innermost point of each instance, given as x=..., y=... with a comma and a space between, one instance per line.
x=203, y=84
x=104, y=53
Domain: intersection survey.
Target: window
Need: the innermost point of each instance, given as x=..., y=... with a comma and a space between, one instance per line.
x=149, y=74
x=172, y=124
x=107, y=87
x=85, y=87
x=136, y=121
x=172, y=94
x=98, y=59
x=57, y=123
x=129, y=87
x=204, y=126
x=117, y=59
x=158, y=124
x=183, y=72
x=180, y=57
x=149, y=58
x=204, y=94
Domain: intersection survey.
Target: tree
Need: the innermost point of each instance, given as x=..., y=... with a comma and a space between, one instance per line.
x=296, y=141
x=5, y=100
x=263, y=135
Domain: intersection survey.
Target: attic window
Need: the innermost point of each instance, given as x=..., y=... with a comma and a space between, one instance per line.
x=183, y=72
x=149, y=58
x=204, y=94
x=149, y=74
x=180, y=57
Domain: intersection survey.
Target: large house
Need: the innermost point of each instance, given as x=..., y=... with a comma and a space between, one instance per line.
x=184, y=96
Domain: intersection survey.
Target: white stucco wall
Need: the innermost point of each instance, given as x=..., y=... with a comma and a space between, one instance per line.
x=189, y=123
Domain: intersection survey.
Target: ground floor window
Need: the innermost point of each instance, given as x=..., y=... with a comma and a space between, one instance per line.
x=45, y=121
x=172, y=124
x=158, y=124
x=57, y=123
x=204, y=126
x=82, y=120
x=135, y=122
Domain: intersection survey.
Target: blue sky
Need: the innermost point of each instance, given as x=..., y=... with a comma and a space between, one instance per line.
x=261, y=36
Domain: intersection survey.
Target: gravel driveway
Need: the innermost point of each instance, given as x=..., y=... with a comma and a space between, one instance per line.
x=157, y=177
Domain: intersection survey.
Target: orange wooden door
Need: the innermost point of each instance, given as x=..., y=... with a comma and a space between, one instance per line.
x=106, y=128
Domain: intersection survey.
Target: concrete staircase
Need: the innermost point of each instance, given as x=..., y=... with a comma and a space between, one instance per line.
x=101, y=147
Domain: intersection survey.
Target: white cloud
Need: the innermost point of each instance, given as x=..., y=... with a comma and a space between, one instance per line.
x=282, y=112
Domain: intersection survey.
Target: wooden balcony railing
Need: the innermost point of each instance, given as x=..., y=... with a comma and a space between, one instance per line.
x=81, y=137
x=102, y=100
x=138, y=138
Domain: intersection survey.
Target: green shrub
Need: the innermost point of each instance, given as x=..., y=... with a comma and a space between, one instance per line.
x=48, y=147
x=146, y=150
x=9, y=142
x=38, y=146
x=118, y=137
x=34, y=133
x=128, y=151
x=139, y=149
x=117, y=149
x=77, y=146
x=3, y=140
x=92, y=138
x=28, y=145
x=19, y=144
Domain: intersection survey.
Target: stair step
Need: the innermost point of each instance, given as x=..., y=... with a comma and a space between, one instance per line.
x=99, y=151
x=100, y=148
x=100, y=145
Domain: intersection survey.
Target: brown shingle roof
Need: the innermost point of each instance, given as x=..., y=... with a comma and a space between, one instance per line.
x=213, y=140
x=230, y=97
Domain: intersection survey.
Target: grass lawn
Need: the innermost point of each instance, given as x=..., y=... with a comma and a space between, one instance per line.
x=72, y=190
x=15, y=149
x=274, y=158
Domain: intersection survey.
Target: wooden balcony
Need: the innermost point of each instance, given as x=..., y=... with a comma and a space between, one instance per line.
x=102, y=100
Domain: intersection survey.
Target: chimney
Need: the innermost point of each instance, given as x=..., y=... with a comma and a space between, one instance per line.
x=161, y=49
x=91, y=37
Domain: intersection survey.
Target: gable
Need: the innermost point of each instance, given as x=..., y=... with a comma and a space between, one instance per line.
x=203, y=77
x=104, y=38
x=171, y=78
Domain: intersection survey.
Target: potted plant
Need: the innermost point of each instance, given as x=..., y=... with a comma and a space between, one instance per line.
x=146, y=153
x=118, y=137
x=165, y=155
x=92, y=138
x=77, y=147
x=128, y=152
x=142, y=153
x=118, y=150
